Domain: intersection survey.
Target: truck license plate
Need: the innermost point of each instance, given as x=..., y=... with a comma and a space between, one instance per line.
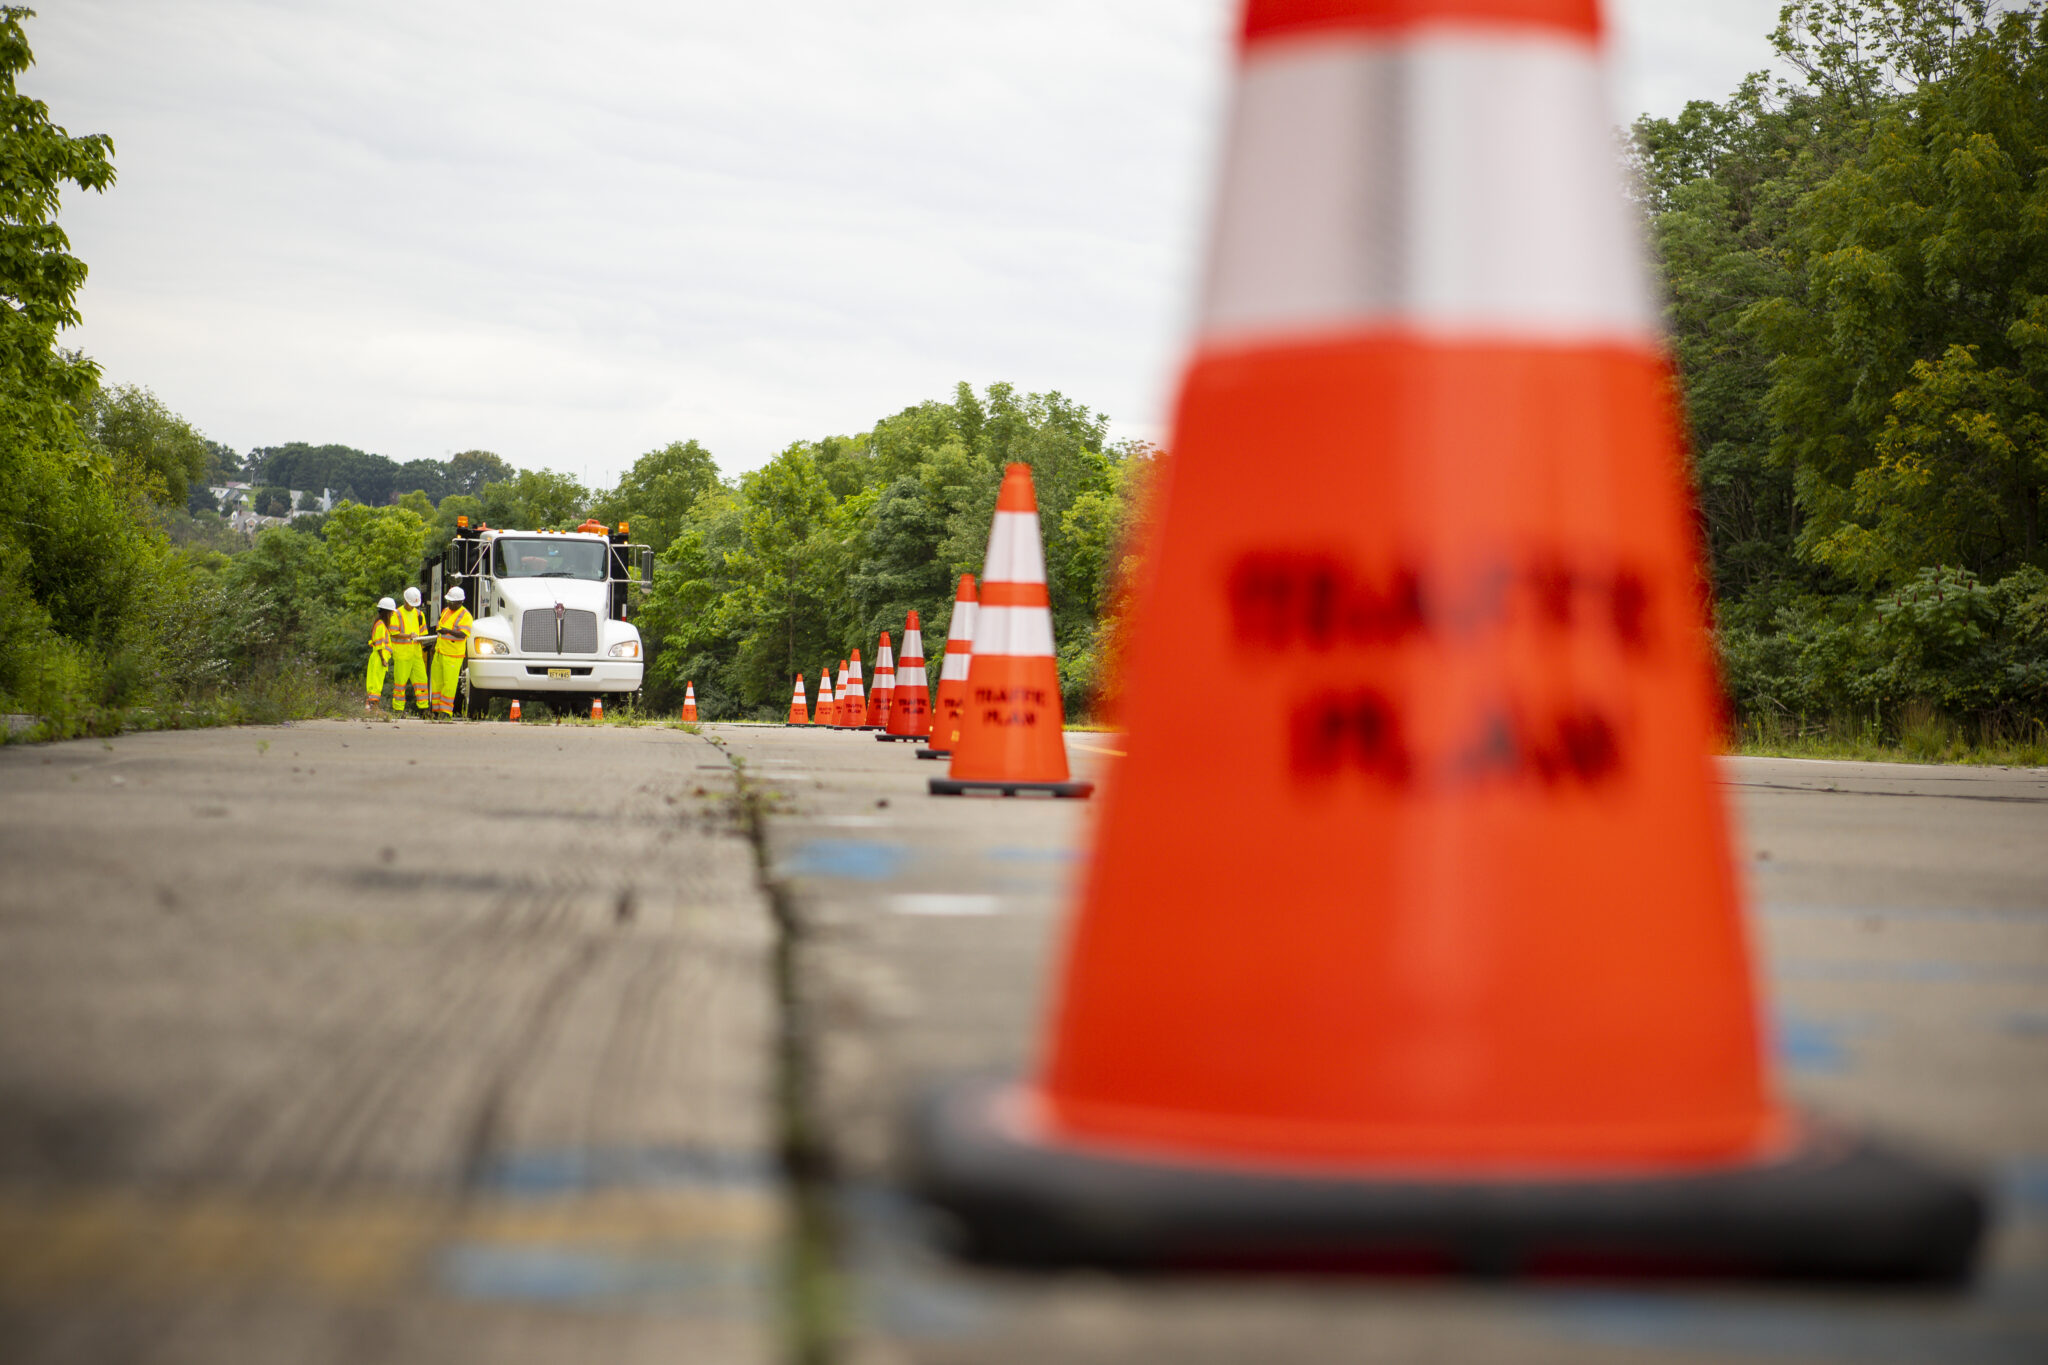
x=558, y=673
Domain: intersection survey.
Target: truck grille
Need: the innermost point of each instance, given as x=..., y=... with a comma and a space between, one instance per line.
x=579, y=632
x=537, y=631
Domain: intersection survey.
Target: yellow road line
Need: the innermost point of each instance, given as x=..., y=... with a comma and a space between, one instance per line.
x=1098, y=749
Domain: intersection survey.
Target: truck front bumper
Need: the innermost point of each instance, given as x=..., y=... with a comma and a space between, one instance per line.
x=500, y=674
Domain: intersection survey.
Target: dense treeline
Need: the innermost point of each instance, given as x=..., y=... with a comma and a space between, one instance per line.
x=833, y=541
x=1856, y=259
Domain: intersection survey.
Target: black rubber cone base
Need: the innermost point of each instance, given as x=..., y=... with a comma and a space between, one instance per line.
x=1834, y=1208
x=934, y=753
x=906, y=739
x=949, y=786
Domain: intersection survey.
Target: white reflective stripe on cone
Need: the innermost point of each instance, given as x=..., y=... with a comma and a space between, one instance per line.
x=1014, y=554
x=906, y=676
x=1450, y=183
x=1016, y=631
x=960, y=631
x=954, y=665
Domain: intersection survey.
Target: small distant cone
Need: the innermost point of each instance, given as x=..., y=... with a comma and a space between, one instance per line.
x=799, y=711
x=1011, y=736
x=1437, y=954
x=855, y=701
x=839, y=697
x=953, y=673
x=596, y=709
x=515, y=708
x=828, y=708
x=910, y=715
x=883, y=693
x=689, y=701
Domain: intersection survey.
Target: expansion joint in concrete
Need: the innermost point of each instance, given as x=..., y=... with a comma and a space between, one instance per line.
x=814, y=1307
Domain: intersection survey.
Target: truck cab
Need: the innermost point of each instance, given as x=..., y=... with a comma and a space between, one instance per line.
x=553, y=612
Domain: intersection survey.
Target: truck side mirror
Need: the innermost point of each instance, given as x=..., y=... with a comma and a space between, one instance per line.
x=647, y=565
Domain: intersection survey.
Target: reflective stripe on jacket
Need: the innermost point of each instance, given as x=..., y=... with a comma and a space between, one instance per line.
x=456, y=619
x=380, y=641
x=407, y=621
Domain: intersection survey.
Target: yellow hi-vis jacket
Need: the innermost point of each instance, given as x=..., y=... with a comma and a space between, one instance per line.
x=407, y=621
x=457, y=619
x=380, y=641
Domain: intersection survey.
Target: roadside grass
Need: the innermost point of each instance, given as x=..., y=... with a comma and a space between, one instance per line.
x=1920, y=736
x=290, y=691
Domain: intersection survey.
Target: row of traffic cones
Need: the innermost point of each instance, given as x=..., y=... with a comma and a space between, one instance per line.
x=999, y=717
x=1010, y=740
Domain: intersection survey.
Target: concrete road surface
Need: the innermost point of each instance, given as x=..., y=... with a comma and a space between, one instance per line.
x=386, y=1041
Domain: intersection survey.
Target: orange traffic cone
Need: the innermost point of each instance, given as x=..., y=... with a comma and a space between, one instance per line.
x=884, y=691
x=839, y=697
x=910, y=713
x=689, y=701
x=1428, y=494
x=799, y=708
x=827, y=707
x=953, y=673
x=855, y=699
x=1010, y=731
x=596, y=708
x=515, y=708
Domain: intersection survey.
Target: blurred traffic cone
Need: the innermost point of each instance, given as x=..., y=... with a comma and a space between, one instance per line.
x=1428, y=494
x=689, y=701
x=839, y=697
x=596, y=709
x=1010, y=730
x=883, y=693
x=799, y=709
x=828, y=708
x=855, y=698
x=953, y=673
x=910, y=715
x=515, y=708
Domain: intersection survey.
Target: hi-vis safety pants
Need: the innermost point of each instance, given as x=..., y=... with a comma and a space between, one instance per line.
x=408, y=673
x=446, y=675
x=373, y=677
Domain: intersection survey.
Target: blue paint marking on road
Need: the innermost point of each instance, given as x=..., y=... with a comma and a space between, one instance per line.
x=1032, y=855
x=575, y=1170
x=2023, y=1186
x=855, y=859
x=1916, y=912
x=904, y=1288
x=1849, y=969
x=577, y=1275
x=1869, y=1330
x=1814, y=1045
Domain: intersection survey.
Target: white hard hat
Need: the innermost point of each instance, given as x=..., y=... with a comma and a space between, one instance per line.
x=386, y=604
x=412, y=597
x=454, y=595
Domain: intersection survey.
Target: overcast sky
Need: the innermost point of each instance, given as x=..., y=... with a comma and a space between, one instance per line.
x=572, y=233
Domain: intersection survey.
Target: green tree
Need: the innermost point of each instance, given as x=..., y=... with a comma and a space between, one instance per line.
x=655, y=496
x=470, y=470
x=372, y=552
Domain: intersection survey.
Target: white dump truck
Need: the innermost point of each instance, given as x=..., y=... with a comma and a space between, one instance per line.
x=553, y=612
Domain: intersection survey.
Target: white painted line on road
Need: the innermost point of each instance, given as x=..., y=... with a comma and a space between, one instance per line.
x=939, y=904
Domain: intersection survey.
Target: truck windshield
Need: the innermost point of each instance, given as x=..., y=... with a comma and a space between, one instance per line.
x=549, y=558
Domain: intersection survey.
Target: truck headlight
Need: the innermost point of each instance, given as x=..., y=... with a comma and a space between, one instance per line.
x=626, y=649
x=485, y=645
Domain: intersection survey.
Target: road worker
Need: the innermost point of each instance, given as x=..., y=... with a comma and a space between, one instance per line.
x=451, y=644
x=380, y=654
x=408, y=664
